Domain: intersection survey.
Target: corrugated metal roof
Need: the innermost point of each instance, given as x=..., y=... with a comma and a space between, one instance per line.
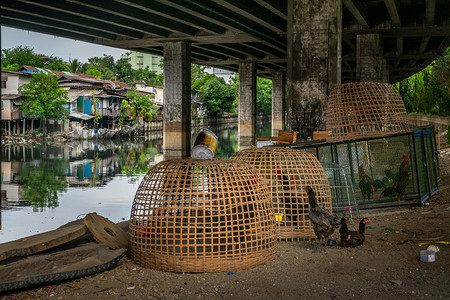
x=10, y=96
x=81, y=116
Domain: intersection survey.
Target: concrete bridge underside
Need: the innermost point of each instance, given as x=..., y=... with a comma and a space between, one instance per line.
x=309, y=46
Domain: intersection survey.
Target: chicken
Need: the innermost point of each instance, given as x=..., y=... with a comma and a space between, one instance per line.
x=367, y=185
x=353, y=238
x=323, y=221
x=401, y=182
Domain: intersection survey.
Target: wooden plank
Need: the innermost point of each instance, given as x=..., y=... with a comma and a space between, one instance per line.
x=41, y=242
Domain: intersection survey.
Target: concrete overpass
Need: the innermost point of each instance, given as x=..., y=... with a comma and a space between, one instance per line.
x=311, y=45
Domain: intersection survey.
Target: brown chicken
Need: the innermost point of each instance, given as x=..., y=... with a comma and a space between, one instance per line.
x=353, y=238
x=401, y=182
x=323, y=221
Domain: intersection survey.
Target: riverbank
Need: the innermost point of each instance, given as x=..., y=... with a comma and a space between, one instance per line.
x=387, y=266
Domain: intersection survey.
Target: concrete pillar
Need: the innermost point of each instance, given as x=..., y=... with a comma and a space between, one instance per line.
x=314, y=61
x=247, y=105
x=370, y=64
x=278, y=102
x=177, y=100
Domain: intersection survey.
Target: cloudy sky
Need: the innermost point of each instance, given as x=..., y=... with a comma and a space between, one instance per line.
x=56, y=46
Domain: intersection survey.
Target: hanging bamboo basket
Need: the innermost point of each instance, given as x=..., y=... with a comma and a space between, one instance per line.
x=201, y=215
x=360, y=110
x=287, y=172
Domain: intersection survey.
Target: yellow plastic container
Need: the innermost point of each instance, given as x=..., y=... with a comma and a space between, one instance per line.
x=278, y=216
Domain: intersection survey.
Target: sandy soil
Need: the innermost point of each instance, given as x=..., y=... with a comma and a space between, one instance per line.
x=387, y=266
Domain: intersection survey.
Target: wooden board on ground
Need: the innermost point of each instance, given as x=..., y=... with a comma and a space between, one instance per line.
x=80, y=261
x=106, y=232
x=41, y=242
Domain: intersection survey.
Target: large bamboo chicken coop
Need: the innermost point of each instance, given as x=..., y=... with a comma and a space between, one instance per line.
x=359, y=110
x=287, y=172
x=200, y=215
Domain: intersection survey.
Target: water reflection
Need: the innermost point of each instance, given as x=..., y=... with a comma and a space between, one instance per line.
x=45, y=186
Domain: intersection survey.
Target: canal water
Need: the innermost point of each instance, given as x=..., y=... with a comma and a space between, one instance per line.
x=48, y=185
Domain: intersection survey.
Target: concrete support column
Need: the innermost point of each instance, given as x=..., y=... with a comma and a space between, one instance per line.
x=278, y=102
x=314, y=61
x=370, y=64
x=247, y=105
x=177, y=100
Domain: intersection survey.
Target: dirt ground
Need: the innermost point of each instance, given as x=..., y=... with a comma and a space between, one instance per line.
x=387, y=266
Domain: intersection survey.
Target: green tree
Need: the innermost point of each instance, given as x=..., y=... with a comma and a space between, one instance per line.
x=138, y=108
x=428, y=91
x=197, y=72
x=264, y=96
x=123, y=71
x=75, y=66
x=43, y=98
x=218, y=96
x=19, y=56
x=104, y=65
x=56, y=64
x=95, y=108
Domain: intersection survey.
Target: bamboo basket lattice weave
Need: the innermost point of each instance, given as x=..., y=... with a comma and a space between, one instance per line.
x=287, y=172
x=201, y=215
x=360, y=110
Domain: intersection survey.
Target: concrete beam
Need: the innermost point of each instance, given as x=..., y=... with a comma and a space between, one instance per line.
x=357, y=12
x=247, y=105
x=278, y=102
x=314, y=61
x=177, y=100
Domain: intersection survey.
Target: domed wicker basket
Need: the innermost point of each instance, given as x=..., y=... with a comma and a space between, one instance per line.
x=201, y=215
x=364, y=110
x=287, y=172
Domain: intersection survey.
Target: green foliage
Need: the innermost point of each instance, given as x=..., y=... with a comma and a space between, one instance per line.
x=145, y=76
x=41, y=184
x=56, y=64
x=264, y=96
x=95, y=109
x=197, y=72
x=21, y=55
x=200, y=83
x=218, y=96
x=14, y=58
x=75, y=66
x=428, y=91
x=138, y=108
x=43, y=98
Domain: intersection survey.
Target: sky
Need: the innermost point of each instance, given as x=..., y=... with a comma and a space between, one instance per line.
x=56, y=46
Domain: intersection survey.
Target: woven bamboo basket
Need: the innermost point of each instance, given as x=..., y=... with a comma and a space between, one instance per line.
x=360, y=110
x=287, y=172
x=201, y=215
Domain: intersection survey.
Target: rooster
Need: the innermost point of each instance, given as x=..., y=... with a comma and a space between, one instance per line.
x=323, y=221
x=366, y=184
x=401, y=182
x=353, y=238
